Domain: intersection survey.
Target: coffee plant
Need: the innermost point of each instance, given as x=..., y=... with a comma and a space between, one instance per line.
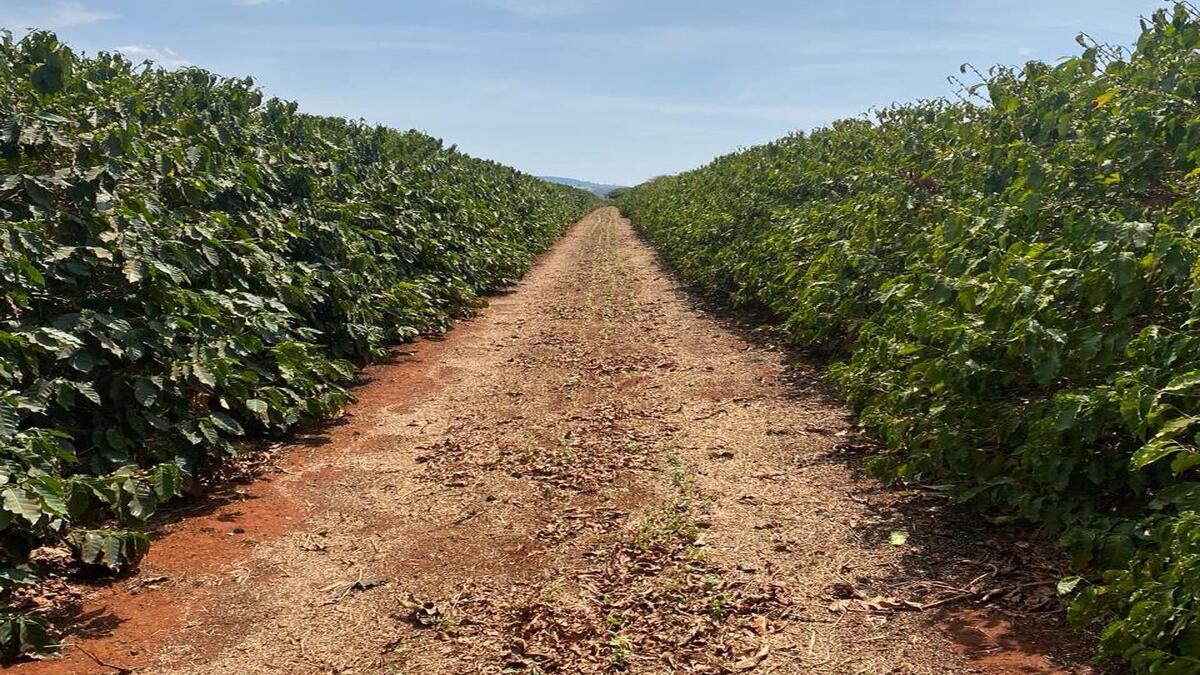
x=1008, y=288
x=183, y=264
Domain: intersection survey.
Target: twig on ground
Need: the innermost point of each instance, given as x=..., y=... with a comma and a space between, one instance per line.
x=989, y=592
x=120, y=669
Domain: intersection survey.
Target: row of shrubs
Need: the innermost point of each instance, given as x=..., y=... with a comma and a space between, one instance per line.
x=183, y=263
x=1008, y=288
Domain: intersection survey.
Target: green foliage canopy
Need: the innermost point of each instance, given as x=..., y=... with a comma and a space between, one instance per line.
x=1009, y=289
x=183, y=263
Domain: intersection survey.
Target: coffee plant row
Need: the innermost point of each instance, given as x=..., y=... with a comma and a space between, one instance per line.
x=1008, y=288
x=183, y=264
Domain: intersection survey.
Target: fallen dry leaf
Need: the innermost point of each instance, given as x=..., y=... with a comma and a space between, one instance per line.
x=752, y=662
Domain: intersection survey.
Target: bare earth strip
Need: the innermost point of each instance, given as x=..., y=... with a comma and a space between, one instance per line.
x=594, y=475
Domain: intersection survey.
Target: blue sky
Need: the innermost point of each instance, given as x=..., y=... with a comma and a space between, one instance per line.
x=606, y=90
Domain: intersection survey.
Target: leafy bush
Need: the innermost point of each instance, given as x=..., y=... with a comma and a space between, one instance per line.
x=1009, y=289
x=183, y=263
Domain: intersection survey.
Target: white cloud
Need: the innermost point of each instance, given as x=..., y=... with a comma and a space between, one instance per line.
x=543, y=9
x=165, y=57
x=19, y=16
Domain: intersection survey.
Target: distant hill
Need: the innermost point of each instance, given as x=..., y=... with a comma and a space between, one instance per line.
x=598, y=189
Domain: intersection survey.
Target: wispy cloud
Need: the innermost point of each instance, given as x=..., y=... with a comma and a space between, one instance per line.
x=794, y=113
x=355, y=39
x=165, y=57
x=52, y=15
x=76, y=14
x=543, y=9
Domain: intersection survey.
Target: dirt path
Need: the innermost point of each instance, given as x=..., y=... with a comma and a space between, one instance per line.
x=592, y=476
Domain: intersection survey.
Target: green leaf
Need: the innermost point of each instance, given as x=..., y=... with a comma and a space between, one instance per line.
x=1185, y=461
x=1067, y=585
x=21, y=502
x=1046, y=369
x=1154, y=451
x=1185, y=496
x=10, y=577
x=117, y=550
x=227, y=424
x=191, y=432
x=89, y=546
x=204, y=375
x=898, y=537
x=1176, y=426
x=142, y=500
x=83, y=362
x=38, y=194
x=1067, y=415
x=145, y=392
x=37, y=396
x=33, y=274
x=23, y=635
x=116, y=440
x=9, y=419
x=88, y=391
x=1184, y=382
x=260, y=409
x=167, y=480
x=61, y=342
x=134, y=271
x=51, y=492
x=49, y=77
x=79, y=501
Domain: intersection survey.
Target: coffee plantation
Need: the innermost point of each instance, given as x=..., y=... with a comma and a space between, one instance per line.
x=185, y=264
x=1008, y=288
